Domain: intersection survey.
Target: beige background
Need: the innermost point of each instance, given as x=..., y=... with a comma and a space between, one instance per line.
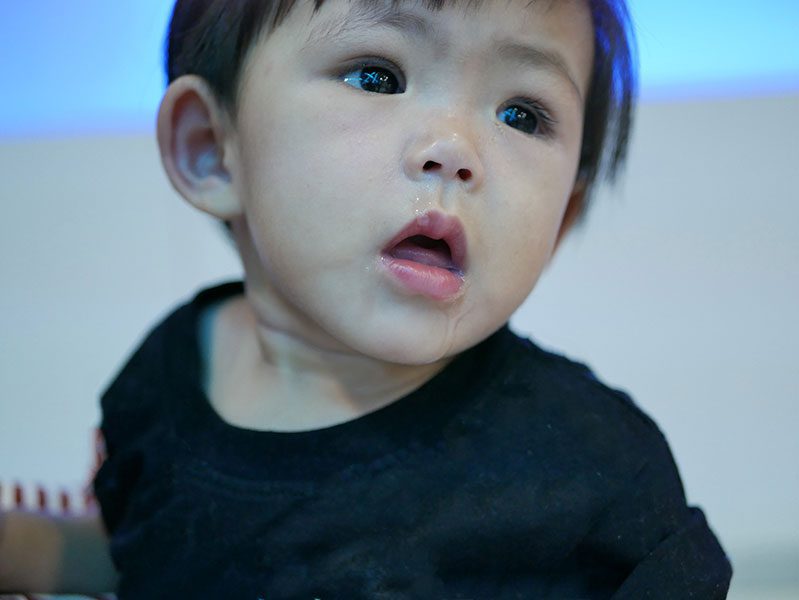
x=682, y=289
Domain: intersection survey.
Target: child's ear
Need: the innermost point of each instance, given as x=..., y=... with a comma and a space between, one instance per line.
x=194, y=137
x=572, y=213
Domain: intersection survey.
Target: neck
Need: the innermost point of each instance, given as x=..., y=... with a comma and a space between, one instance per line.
x=268, y=375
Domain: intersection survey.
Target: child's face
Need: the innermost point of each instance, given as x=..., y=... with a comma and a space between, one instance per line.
x=346, y=134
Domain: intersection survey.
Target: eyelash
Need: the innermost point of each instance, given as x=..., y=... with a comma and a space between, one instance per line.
x=379, y=62
x=546, y=123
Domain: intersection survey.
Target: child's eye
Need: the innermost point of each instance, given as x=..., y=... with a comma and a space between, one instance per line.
x=532, y=119
x=373, y=78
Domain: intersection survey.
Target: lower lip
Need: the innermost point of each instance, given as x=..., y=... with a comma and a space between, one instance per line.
x=434, y=282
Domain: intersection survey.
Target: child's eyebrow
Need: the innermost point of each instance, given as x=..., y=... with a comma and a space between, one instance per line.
x=537, y=58
x=413, y=27
x=364, y=15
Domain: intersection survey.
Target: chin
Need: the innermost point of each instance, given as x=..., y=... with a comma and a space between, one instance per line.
x=402, y=350
x=417, y=345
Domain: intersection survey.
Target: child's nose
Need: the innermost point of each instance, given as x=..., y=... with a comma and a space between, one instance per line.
x=448, y=153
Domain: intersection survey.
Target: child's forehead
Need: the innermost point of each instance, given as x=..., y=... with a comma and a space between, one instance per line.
x=404, y=13
x=421, y=19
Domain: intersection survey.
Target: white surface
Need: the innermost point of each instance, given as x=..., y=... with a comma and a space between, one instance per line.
x=681, y=289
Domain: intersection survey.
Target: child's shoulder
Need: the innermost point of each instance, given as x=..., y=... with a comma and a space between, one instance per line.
x=568, y=396
x=534, y=364
x=175, y=345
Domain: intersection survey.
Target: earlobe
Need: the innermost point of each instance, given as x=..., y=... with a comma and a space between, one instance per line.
x=192, y=136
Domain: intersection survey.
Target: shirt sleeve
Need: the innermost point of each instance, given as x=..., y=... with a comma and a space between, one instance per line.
x=132, y=431
x=688, y=563
x=113, y=483
x=133, y=420
x=665, y=546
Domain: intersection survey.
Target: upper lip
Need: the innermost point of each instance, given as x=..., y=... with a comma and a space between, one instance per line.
x=437, y=226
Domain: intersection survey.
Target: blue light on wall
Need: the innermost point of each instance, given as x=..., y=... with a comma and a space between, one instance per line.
x=700, y=48
x=94, y=67
x=85, y=67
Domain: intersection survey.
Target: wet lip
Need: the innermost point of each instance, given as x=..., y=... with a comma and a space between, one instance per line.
x=436, y=226
x=428, y=257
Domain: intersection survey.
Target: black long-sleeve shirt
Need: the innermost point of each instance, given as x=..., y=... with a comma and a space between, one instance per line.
x=514, y=473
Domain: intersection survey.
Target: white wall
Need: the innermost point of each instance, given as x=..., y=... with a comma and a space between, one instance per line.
x=682, y=289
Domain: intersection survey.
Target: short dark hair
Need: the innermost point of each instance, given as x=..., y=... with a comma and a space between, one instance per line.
x=211, y=39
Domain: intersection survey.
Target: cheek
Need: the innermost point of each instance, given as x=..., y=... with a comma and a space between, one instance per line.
x=519, y=258
x=529, y=211
x=304, y=145
x=524, y=226
x=317, y=166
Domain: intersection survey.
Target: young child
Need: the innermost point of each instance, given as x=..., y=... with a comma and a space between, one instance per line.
x=356, y=420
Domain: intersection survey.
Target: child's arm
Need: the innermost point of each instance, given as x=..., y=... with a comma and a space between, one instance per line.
x=40, y=553
x=667, y=546
x=687, y=563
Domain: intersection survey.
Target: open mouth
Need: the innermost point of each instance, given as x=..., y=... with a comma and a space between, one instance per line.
x=428, y=257
x=425, y=250
x=431, y=239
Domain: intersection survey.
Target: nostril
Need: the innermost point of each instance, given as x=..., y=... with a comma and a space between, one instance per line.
x=431, y=165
